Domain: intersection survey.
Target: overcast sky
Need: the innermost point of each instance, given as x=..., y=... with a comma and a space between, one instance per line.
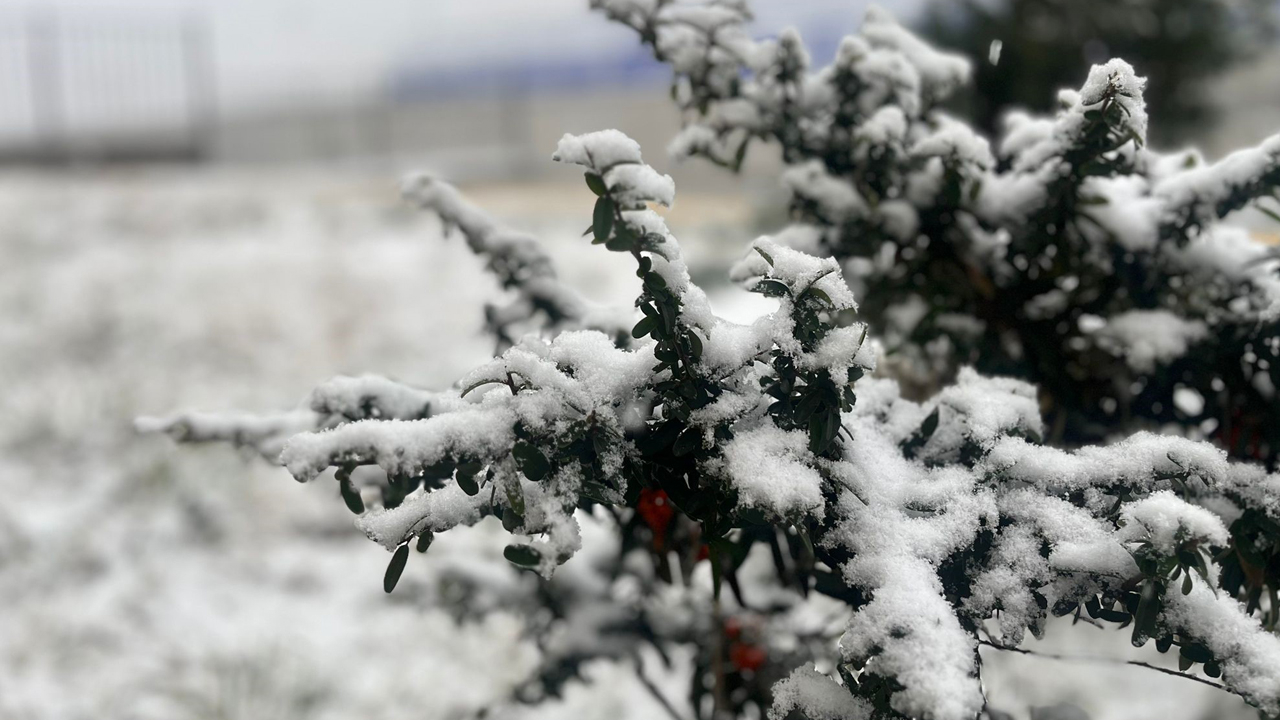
x=273, y=51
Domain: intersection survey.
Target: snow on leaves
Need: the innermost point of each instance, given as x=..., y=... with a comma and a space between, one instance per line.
x=927, y=519
x=1074, y=216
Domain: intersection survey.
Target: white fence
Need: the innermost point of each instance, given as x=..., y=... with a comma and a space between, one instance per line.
x=92, y=85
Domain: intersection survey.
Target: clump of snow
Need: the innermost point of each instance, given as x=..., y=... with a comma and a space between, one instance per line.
x=370, y=396
x=816, y=696
x=1149, y=338
x=955, y=139
x=598, y=151
x=981, y=410
x=888, y=126
x=1167, y=521
x=1137, y=460
x=635, y=184
x=1117, y=79
x=1195, y=194
x=1249, y=655
x=797, y=270
x=836, y=199
x=435, y=511
x=772, y=469
x=910, y=633
x=265, y=434
x=1127, y=212
x=940, y=72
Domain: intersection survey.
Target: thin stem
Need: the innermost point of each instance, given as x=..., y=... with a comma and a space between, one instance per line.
x=1113, y=661
x=717, y=654
x=655, y=692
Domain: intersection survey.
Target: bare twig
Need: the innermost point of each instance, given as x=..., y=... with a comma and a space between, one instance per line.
x=1114, y=661
x=655, y=692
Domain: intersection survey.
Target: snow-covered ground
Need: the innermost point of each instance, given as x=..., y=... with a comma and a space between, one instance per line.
x=143, y=580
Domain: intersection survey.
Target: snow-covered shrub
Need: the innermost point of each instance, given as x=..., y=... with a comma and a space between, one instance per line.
x=1066, y=253
x=692, y=454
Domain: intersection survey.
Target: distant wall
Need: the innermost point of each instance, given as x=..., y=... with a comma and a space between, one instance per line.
x=503, y=136
x=1249, y=102
x=103, y=86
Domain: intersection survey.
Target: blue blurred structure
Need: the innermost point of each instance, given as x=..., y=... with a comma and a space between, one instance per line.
x=631, y=66
x=584, y=74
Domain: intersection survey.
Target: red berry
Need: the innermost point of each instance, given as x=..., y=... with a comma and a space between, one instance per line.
x=747, y=657
x=732, y=628
x=656, y=509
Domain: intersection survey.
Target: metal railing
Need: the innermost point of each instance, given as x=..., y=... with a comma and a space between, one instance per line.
x=97, y=86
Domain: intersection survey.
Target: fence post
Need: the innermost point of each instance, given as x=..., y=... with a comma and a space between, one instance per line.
x=201, y=83
x=44, y=77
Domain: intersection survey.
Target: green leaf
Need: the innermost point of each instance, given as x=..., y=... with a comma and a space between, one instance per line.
x=515, y=499
x=644, y=327
x=596, y=184
x=771, y=288
x=511, y=520
x=1144, y=618
x=531, y=461
x=468, y=484
x=1186, y=584
x=1115, y=616
x=350, y=495
x=688, y=441
x=821, y=296
x=654, y=281
x=1268, y=212
x=822, y=431
x=602, y=219
x=623, y=240
x=695, y=346
x=1196, y=652
x=930, y=424
x=523, y=555
x=1093, y=606
x=765, y=255
x=395, y=568
x=741, y=155
x=424, y=541
x=477, y=384
x=918, y=439
x=596, y=492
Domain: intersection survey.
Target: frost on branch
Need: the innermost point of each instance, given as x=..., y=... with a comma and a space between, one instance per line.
x=338, y=400
x=1009, y=253
x=518, y=262
x=817, y=697
x=710, y=441
x=263, y=434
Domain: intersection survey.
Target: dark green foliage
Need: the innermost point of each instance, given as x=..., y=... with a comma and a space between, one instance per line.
x=522, y=555
x=1180, y=45
x=395, y=568
x=1088, y=392
x=350, y=495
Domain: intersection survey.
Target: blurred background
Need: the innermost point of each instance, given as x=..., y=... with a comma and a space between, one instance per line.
x=198, y=209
